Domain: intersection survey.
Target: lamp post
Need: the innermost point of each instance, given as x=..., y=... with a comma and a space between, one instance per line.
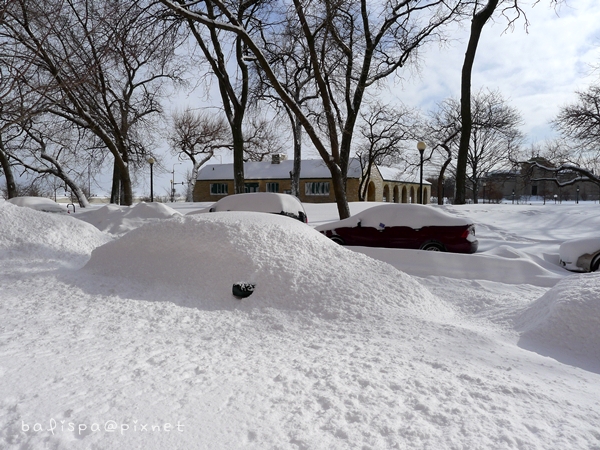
x=151, y=162
x=421, y=146
x=484, y=185
x=555, y=198
x=513, y=197
x=577, y=196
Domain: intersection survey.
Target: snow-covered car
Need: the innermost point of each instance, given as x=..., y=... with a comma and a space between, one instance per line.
x=267, y=202
x=580, y=255
x=404, y=226
x=40, y=204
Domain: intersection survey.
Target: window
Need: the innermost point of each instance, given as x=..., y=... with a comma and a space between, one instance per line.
x=272, y=187
x=218, y=189
x=317, y=188
x=251, y=187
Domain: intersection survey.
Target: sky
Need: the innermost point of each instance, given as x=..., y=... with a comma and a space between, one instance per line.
x=537, y=70
x=120, y=330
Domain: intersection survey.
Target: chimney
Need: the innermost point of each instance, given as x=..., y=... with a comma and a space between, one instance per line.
x=275, y=158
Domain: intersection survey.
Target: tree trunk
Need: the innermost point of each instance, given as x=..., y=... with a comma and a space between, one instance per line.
x=60, y=173
x=115, y=192
x=479, y=20
x=339, y=189
x=295, y=175
x=11, y=187
x=238, y=154
x=440, y=184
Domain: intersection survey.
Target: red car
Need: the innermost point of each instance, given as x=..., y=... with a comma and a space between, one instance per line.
x=404, y=226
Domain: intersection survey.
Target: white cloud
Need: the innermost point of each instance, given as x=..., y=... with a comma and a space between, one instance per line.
x=537, y=70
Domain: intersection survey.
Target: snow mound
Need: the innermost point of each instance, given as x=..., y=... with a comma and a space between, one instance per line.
x=27, y=233
x=195, y=260
x=565, y=322
x=39, y=203
x=116, y=219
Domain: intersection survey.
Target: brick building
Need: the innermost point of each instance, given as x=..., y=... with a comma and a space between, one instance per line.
x=386, y=183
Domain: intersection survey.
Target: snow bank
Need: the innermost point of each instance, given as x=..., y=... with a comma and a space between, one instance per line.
x=27, y=233
x=565, y=322
x=39, y=203
x=195, y=260
x=116, y=219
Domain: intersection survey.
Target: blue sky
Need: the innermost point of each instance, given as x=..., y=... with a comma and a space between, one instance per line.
x=537, y=71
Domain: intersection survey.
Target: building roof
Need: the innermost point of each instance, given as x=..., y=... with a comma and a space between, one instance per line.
x=398, y=175
x=310, y=168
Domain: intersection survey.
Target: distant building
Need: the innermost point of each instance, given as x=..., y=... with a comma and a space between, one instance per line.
x=385, y=184
x=533, y=182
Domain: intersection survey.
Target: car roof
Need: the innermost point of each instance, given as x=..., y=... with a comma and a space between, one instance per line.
x=260, y=202
x=399, y=214
x=38, y=203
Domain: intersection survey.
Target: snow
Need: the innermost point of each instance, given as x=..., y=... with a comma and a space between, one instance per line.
x=407, y=215
x=311, y=168
x=117, y=219
x=564, y=323
x=570, y=251
x=39, y=203
x=131, y=337
x=269, y=202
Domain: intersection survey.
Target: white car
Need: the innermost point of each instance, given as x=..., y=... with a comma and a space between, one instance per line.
x=40, y=204
x=580, y=255
x=268, y=202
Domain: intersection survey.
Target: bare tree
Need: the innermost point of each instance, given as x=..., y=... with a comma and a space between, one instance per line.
x=564, y=163
x=101, y=65
x=494, y=138
x=383, y=130
x=289, y=59
x=196, y=136
x=482, y=12
x=261, y=138
x=232, y=74
x=351, y=45
x=44, y=150
x=575, y=157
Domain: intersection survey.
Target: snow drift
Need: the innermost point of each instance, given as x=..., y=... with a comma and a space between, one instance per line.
x=200, y=257
x=118, y=220
x=565, y=322
x=27, y=233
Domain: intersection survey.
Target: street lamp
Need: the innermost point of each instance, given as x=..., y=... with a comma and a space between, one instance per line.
x=577, y=196
x=513, y=197
x=151, y=162
x=555, y=198
x=421, y=146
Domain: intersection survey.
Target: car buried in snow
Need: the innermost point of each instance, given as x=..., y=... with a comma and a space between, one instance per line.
x=267, y=202
x=39, y=204
x=408, y=226
x=580, y=255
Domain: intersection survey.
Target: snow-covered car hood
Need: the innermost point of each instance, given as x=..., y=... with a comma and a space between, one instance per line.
x=570, y=251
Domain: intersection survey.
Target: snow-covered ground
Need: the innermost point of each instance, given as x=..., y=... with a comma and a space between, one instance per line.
x=120, y=331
